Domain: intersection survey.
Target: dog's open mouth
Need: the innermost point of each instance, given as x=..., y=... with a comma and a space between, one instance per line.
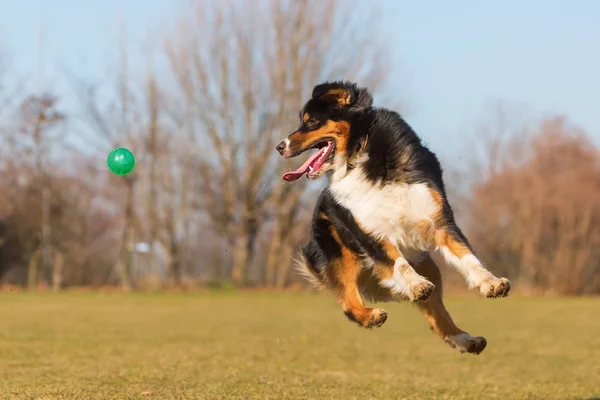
x=314, y=163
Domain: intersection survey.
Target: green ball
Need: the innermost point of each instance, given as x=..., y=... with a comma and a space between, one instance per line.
x=120, y=161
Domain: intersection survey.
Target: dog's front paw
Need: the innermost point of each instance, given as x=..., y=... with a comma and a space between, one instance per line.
x=367, y=317
x=493, y=287
x=378, y=318
x=421, y=291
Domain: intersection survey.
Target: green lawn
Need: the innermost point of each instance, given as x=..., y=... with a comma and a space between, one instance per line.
x=283, y=346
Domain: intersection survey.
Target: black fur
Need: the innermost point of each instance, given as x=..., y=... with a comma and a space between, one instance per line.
x=322, y=248
x=396, y=155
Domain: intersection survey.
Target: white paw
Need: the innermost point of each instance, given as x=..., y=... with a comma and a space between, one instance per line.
x=493, y=287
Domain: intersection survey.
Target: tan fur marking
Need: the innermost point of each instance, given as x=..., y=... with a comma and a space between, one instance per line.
x=355, y=155
x=324, y=216
x=434, y=311
x=339, y=131
x=426, y=230
x=342, y=131
x=305, y=117
x=340, y=96
x=457, y=248
x=405, y=157
x=437, y=197
x=346, y=272
x=391, y=250
x=386, y=271
x=439, y=201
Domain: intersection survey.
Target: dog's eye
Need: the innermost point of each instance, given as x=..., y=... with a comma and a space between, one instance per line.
x=311, y=122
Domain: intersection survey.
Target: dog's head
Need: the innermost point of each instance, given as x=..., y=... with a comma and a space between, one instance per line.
x=326, y=124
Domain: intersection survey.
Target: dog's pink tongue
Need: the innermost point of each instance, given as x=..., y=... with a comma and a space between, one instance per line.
x=294, y=175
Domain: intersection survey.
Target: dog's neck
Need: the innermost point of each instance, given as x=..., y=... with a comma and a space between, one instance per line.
x=351, y=163
x=356, y=156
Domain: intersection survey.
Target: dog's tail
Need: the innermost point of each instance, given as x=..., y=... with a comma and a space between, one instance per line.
x=312, y=273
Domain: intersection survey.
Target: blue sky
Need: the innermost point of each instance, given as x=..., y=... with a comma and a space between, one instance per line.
x=451, y=59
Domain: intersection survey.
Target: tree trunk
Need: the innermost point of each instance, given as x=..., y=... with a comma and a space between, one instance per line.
x=153, y=181
x=131, y=264
x=253, y=232
x=240, y=256
x=57, y=271
x=174, y=266
x=274, y=256
x=244, y=252
x=34, y=268
x=46, y=268
x=285, y=263
x=123, y=275
x=217, y=264
x=124, y=263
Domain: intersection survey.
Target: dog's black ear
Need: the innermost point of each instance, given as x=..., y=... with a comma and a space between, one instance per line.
x=364, y=100
x=344, y=94
x=333, y=93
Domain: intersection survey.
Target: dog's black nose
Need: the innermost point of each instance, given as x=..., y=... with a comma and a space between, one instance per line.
x=280, y=147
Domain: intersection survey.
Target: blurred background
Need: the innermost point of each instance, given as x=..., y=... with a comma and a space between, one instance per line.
x=505, y=93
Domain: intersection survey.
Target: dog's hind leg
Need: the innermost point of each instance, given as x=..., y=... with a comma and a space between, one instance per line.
x=438, y=317
x=344, y=274
x=333, y=260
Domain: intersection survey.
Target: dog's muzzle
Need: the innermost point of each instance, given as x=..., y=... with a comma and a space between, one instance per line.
x=282, y=146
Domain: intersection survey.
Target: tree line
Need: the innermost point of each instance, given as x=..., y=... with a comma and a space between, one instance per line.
x=206, y=204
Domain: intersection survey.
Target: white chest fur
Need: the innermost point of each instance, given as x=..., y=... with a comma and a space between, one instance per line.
x=390, y=211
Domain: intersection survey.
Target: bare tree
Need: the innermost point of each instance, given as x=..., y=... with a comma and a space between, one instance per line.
x=536, y=213
x=168, y=206
x=39, y=118
x=152, y=155
x=117, y=123
x=86, y=233
x=243, y=74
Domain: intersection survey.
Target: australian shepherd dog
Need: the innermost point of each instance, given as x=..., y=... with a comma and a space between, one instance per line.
x=383, y=214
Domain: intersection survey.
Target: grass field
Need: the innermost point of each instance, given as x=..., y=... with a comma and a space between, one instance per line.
x=283, y=346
